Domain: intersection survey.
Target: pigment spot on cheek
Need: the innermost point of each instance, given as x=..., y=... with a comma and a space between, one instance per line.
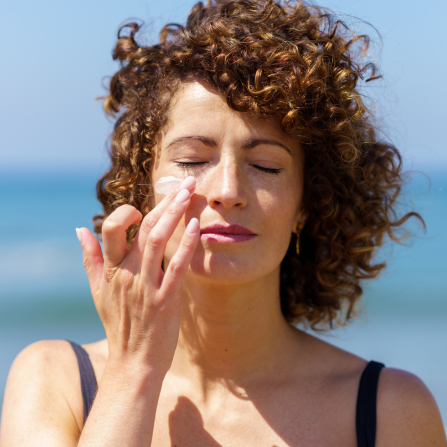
x=166, y=184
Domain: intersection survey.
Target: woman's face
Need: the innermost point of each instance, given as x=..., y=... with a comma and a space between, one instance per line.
x=248, y=172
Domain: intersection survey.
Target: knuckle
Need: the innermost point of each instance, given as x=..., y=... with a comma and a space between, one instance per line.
x=109, y=226
x=172, y=209
x=117, y=219
x=149, y=223
x=87, y=264
x=127, y=278
x=176, y=269
x=188, y=244
x=154, y=240
x=109, y=272
x=172, y=193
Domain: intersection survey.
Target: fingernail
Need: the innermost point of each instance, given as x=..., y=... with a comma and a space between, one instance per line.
x=187, y=183
x=182, y=196
x=79, y=235
x=193, y=225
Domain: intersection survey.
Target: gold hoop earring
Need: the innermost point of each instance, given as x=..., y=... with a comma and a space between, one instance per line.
x=298, y=232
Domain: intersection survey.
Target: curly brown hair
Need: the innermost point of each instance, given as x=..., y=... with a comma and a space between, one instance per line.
x=297, y=64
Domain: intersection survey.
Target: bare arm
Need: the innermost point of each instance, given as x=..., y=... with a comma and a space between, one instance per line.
x=37, y=407
x=407, y=414
x=124, y=410
x=139, y=306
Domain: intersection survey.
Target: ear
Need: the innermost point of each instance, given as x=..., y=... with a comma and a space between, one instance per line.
x=300, y=219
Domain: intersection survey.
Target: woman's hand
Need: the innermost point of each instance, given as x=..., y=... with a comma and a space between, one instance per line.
x=139, y=304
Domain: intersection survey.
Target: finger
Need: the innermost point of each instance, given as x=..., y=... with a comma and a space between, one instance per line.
x=158, y=237
x=173, y=278
x=114, y=233
x=153, y=217
x=93, y=260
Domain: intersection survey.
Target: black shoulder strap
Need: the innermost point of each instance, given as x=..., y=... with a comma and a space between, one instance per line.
x=88, y=379
x=366, y=405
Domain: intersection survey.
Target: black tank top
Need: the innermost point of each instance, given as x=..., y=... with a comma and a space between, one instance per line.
x=366, y=399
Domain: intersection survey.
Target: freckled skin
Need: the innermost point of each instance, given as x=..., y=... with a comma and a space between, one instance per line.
x=230, y=190
x=240, y=374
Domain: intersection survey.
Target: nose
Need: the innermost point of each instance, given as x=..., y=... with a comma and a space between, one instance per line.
x=226, y=186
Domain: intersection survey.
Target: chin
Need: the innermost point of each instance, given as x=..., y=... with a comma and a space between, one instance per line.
x=226, y=268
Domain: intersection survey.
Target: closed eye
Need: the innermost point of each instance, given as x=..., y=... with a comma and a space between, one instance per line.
x=268, y=170
x=259, y=168
x=182, y=164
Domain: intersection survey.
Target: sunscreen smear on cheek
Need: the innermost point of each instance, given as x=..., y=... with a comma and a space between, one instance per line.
x=166, y=184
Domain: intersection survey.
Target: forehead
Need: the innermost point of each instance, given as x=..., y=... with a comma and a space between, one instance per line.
x=197, y=109
x=193, y=96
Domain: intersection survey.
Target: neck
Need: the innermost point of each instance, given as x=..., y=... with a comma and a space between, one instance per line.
x=231, y=332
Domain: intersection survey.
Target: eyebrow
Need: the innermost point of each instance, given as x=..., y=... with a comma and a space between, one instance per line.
x=249, y=144
x=205, y=140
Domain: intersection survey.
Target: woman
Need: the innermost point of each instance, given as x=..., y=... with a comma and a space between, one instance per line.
x=286, y=194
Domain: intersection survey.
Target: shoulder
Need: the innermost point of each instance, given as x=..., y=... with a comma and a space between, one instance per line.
x=48, y=361
x=42, y=391
x=44, y=362
x=407, y=413
x=43, y=352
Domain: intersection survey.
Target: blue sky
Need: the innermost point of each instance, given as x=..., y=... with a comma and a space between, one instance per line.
x=54, y=55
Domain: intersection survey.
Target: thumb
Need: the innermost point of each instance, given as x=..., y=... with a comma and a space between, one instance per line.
x=93, y=259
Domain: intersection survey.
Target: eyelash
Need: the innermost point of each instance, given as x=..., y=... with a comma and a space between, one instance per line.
x=260, y=168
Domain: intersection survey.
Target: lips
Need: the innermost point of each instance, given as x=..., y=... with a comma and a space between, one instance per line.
x=226, y=234
x=230, y=229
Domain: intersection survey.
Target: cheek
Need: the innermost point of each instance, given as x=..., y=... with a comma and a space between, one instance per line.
x=279, y=205
x=279, y=208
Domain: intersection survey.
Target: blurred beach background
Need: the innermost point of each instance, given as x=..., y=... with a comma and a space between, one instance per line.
x=52, y=151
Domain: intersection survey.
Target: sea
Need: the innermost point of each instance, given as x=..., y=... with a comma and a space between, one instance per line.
x=44, y=292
